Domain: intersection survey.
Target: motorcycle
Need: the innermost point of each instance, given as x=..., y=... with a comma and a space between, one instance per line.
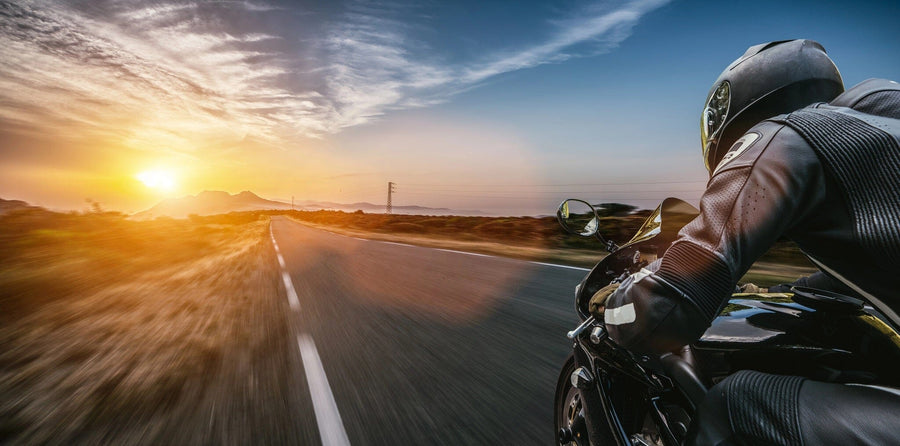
x=608, y=395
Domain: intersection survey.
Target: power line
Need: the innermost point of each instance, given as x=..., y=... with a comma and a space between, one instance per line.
x=618, y=183
x=518, y=188
x=451, y=191
x=520, y=197
x=551, y=193
x=540, y=192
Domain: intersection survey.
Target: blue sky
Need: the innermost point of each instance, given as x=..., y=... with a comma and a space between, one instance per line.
x=500, y=106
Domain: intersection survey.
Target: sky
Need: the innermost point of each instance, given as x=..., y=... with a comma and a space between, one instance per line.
x=503, y=107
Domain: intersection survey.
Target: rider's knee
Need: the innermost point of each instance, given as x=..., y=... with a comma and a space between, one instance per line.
x=711, y=424
x=752, y=406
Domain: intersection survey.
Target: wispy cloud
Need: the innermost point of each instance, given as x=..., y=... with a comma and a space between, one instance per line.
x=375, y=67
x=603, y=29
x=372, y=67
x=163, y=74
x=173, y=74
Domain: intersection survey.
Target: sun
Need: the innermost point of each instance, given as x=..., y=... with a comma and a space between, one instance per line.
x=157, y=179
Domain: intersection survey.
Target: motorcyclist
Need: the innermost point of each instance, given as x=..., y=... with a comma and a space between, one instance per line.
x=790, y=154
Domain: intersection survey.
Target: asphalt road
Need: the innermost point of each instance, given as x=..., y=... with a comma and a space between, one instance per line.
x=399, y=344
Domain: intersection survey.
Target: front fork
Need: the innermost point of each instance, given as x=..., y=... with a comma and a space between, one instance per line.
x=591, y=383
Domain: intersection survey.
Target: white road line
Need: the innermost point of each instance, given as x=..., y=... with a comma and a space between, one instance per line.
x=345, y=235
x=291, y=294
x=536, y=263
x=331, y=429
x=401, y=244
x=562, y=266
x=288, y=285
x=576, y=268
x=466, y=253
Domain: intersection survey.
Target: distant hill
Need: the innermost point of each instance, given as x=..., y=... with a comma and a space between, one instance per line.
x=218, y=202
x=210, y=203
x=12, y=205
x=310, y=205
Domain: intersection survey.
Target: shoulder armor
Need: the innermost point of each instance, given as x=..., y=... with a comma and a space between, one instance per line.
x=858, y=92
x=862, y=152
x=747, y=148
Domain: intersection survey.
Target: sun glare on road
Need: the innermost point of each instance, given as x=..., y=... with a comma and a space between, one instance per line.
x=157, y=179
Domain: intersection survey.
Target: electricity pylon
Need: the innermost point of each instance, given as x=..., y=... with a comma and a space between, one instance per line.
x=391, y=190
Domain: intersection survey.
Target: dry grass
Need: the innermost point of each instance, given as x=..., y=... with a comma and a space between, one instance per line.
x=111, y=325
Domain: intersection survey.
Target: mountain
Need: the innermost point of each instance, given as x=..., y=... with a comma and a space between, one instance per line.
x=210, y=203
x=218, y=202
x=13, y=205
x=310, y=205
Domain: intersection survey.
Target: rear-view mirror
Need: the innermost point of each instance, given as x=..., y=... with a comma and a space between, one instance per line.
x=578, y=217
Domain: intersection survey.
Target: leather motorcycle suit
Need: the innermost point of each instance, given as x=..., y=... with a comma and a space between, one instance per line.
x=797, y=176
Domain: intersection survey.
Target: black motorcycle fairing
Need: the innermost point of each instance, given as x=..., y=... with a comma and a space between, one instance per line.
x=771, y=333
x=652, y=240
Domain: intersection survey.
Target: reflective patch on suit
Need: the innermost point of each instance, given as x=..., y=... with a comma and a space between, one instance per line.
x=621, y=315
x=737, y=148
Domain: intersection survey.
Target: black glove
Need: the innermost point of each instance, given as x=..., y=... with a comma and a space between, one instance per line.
x=597, y=304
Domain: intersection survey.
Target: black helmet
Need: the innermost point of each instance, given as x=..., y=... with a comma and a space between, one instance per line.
x=768, y=80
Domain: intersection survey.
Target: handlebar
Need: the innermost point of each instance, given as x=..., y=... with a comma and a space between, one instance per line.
x=579, y=329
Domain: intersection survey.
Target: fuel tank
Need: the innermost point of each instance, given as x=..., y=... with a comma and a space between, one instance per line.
x=772, y=333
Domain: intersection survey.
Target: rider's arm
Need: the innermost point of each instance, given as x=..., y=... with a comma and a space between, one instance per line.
x=760, y=194
x=817, y=280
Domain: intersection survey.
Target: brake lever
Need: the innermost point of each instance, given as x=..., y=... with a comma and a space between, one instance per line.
x=579, y=329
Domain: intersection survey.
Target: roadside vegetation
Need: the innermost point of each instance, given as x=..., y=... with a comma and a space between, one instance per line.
x=525, y=231
x=531, y=238
x=116, y=330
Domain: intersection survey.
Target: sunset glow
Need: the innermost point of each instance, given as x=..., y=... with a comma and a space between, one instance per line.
x=508, y=114
x=157, y=179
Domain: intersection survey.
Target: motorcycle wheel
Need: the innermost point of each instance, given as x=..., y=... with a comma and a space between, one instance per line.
x=568, y=410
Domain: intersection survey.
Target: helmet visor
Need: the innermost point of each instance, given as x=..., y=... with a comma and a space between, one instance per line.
x=713, y=119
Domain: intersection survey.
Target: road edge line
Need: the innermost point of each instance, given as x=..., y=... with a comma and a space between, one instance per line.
x=562, y=266
x=556, y=265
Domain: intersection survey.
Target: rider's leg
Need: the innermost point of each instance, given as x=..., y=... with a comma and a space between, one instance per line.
x=757, y=408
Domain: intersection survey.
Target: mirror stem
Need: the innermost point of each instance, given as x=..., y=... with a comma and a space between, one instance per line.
x=611, y=246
